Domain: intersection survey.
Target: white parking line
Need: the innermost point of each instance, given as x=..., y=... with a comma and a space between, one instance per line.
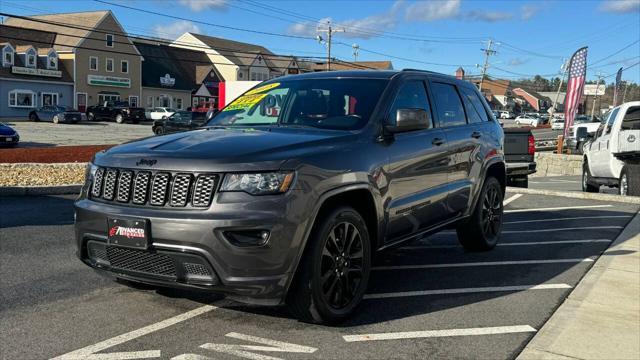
x=483, y=263
x=511, y=199
x=89, y=351
x=558, y=208
x=525, y=243
x=568, y=218
x=440, y=333
x=467, y=290
x=561, y=229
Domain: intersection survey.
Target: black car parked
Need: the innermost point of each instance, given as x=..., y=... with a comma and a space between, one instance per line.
x=8, y=136
x=179, y=121
x=288, y=192
x=118, y=111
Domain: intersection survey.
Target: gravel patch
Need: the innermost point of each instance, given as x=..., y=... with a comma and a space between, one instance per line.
x=41, y=174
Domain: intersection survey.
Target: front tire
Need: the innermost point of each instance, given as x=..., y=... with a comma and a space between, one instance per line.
x=91, y=117
x=334, y=272
x=482, y=230
x=119, y=119
x=56, y=119
x=33, y=117
x=159, y=130
x=587, y=182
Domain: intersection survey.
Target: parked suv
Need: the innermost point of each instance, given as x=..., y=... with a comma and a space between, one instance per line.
x=288, y=192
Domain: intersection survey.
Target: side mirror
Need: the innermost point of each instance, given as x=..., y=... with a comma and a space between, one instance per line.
x=582, y=133
x=409, y=120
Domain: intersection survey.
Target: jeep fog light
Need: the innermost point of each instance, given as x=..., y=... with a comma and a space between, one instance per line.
x=245, y=238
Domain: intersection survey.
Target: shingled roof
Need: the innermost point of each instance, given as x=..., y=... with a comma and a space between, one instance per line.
x=17, y=36
x=237, y=52
x=82, y=23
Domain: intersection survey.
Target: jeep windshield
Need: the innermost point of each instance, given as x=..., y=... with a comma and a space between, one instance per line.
x=334, y=104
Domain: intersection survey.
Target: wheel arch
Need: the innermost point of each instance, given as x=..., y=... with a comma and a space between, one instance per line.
x=350, y=195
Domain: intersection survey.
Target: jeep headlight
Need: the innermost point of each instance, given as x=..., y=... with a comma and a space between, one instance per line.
x=258, y=183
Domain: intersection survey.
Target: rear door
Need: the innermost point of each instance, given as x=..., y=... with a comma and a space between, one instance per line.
x=417, y=169
x=463, y=138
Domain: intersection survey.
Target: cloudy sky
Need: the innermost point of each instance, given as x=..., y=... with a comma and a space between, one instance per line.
x=531, y=37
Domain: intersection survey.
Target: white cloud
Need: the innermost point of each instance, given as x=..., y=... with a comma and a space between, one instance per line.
x=518, y=61
x=431, y=10
x=174, y=30
x=364, y=28
x=620, y=6
x=528, y=11
x=488, y=16
x=199, y=5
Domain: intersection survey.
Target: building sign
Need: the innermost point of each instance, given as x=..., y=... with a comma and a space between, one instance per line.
x=292, y=71
x=36, y=72
x=167, y=80
x=101, y=80
x=592, y=89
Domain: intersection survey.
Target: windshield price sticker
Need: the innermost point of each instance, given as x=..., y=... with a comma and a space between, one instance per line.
x=262, y=88
x=245, y=101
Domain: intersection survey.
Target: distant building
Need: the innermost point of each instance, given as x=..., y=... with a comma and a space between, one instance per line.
x=552, y=96
x=31, y=74
x=316, y=66
x=239, y=61
x=95, y=49
x=171, y=76
x=498, y=92
x=534, y=100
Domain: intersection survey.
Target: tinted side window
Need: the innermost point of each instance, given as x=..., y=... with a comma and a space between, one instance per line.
x=612, y=118
x=412, y=95
x=475, y=110
x=631, y=119
x=448, y=105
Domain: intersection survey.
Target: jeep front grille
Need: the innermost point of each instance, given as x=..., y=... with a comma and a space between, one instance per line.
x=157, y=189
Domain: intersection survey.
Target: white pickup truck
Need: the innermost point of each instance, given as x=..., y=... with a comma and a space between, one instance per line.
x=612, y=156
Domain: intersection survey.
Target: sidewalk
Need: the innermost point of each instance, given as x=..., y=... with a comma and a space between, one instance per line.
x=601, y=317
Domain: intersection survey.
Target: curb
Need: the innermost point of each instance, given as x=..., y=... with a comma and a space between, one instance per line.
x=577, y=195
x=572, y=331
x=40, y=190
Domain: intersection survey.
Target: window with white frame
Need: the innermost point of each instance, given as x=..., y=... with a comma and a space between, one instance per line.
x=49, y=99
x=31, y=58
x=124, y=66
x=109, y=40
x=109, y=67
x=107, y=97
x=93, y=63
x=22, y=98
x=7, y=56
x=179, y=103
x=52, y=61
x=133, y=101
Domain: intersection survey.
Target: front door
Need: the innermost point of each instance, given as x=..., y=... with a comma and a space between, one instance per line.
x=601, y=148
x=81, y=101
x=417, y=170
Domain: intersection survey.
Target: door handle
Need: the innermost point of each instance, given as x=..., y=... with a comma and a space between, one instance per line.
x=437, y=141
x=476, y=134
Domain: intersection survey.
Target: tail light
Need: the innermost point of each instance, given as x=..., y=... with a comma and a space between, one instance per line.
x=532, y=145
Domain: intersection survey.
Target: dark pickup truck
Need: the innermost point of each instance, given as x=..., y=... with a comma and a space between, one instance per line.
x=120, y=111
x=519, y=152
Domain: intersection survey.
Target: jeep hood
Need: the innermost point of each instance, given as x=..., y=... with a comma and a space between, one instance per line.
x=223, y=149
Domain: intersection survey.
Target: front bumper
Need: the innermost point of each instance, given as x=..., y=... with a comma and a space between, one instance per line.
x=9, y=140
x=259, y=274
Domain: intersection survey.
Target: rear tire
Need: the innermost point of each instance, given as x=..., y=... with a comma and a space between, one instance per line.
x=334, y=271
x=587, y=182
x=56, y=119
x=33, y=117
x=91, y=117
x=521, y=182
x=159, y=130
x=119, y=119
x=629, y=181
x=482, y=230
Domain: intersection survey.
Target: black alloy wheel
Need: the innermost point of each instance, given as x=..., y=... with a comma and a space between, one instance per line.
x=341, y=267
x=482, y=230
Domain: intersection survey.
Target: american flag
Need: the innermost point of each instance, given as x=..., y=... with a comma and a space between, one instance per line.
x=575, y=86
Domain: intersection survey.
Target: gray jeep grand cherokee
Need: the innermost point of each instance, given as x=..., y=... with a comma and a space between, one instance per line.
x=286, y=195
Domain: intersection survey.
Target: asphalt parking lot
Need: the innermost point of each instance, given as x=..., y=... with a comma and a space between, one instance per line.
x=37, y=134
x=564, y=183
x=428, y=299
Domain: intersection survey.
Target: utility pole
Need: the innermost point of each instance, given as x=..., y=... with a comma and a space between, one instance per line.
x=563, y=73
x=595, y=97
x=356, y=51
x=487, y=52
x=329, y=30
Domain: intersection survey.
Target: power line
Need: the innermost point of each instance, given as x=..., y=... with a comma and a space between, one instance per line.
x=615, y=53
